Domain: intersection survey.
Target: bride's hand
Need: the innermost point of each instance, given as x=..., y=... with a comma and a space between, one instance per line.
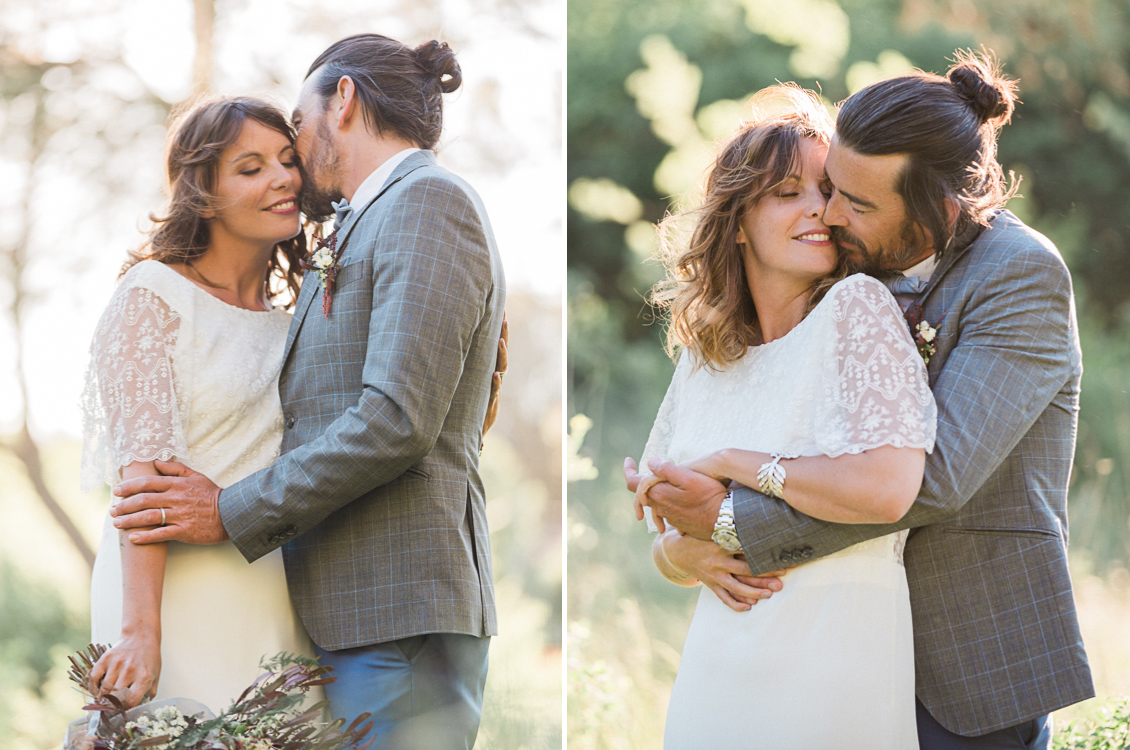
x=724, y=573
x=641, y=500
x=130, y=670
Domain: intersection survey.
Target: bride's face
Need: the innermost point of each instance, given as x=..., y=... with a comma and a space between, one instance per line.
x=783, y=234
x=257, y=185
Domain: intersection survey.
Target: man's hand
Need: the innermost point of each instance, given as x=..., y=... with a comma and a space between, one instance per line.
x=724, y=573
x=688, y=500
x=501, y=363
x=190, y=501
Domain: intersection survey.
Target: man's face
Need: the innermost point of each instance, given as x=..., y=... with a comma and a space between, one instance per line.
x=315, y=145
x=867, y=215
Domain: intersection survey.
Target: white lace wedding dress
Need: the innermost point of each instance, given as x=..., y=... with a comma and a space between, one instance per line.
x=177, y=374
x=827, y=662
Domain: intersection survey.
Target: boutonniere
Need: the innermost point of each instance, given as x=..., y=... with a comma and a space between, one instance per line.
x=324, y=262
x=922, y=331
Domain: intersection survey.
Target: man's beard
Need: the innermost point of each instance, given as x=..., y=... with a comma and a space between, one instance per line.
x=879, y=260
x=322, y=162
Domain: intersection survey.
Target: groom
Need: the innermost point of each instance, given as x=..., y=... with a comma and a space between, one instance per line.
x=377, y=499
x=917, y=189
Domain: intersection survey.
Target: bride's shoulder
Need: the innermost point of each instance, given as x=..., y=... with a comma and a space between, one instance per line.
x=859, y=284
x=859, y=288
x=154, y=278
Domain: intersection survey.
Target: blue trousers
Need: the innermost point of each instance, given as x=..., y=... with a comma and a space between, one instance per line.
x=424, y=692
x=1031, y=735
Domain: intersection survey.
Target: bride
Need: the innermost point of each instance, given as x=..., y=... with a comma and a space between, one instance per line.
x=782, y=356
x=185, y=364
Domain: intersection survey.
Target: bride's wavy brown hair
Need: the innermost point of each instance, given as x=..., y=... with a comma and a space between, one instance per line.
x=198, y=137
x=706, y=295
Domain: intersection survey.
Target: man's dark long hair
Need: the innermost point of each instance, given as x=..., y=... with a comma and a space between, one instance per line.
x=948, y=128
x=401, y=90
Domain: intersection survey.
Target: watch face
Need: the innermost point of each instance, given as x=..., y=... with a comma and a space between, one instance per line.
x=727, y=540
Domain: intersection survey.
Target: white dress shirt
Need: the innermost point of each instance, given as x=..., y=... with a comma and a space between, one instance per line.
x=375, y=182
x=921, y=270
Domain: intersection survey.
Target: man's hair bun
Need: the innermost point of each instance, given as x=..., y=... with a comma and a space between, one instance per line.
x=438, y=59
x=978, y=80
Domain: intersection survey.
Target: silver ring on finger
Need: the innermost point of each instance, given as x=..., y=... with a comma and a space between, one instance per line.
x=163, y=520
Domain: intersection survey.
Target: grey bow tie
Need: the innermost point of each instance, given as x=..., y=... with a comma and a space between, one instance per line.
x=342, y=209
x=908, y=285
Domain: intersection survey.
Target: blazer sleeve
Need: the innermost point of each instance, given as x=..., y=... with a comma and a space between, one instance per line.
x=432, y=284
x=1017, y=347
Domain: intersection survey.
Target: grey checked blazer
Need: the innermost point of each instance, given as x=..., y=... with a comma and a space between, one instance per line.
x=995, y=633
x=377, y=494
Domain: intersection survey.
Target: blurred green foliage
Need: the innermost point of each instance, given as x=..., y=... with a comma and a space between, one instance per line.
x=36, y=628
x=1111, y=732
x=652, y=85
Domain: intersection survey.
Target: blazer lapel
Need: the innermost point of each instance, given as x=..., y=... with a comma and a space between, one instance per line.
x=413, y=162
x=947, y=263
x=311, y=286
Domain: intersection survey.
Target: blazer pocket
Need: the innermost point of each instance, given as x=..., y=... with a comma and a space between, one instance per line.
x=417, y=472
x=989, y=531
x=353, y=273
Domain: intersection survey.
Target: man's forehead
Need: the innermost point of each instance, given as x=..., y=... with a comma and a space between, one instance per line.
x=865, y=171
x=305, y=96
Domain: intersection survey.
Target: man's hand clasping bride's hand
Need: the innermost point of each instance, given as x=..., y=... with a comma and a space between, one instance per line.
x=684, y=496
x=679, y=495
x=186, y=501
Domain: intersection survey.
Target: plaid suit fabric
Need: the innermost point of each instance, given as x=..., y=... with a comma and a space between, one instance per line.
x=997, y=640
x=377, y=495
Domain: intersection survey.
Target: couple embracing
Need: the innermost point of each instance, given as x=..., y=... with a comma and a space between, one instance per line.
x=883, y=472
x=305, y=484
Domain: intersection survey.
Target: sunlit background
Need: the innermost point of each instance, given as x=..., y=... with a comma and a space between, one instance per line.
x=85, y=89
x=652, y=85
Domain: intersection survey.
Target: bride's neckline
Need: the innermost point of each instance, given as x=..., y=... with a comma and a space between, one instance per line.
x=769, y=344
x=226, y=305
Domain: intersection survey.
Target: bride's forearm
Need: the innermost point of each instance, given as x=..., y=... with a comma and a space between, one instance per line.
x=668, y=569
x=876, y=486
x=143, y=575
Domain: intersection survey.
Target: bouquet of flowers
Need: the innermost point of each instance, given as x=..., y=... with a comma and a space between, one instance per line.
x=268, y=715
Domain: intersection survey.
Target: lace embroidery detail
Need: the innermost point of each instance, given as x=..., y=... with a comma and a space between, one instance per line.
x=880, y=393
x=129, y=404
x=900, y=546
x=176, y=372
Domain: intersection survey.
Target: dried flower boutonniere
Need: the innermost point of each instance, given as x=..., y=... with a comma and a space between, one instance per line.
x=324, y=262
x=922, y=331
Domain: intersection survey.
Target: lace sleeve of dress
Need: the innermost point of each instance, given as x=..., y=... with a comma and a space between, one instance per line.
x=876, y=391
x=129, y=403
x=663, y=429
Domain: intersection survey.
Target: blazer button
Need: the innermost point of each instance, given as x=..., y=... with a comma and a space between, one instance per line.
x=786, y=557
x=290, y=422
x=807, y=553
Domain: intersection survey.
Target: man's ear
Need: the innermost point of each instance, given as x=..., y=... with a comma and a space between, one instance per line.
x=348, y=105
x=953, y=210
